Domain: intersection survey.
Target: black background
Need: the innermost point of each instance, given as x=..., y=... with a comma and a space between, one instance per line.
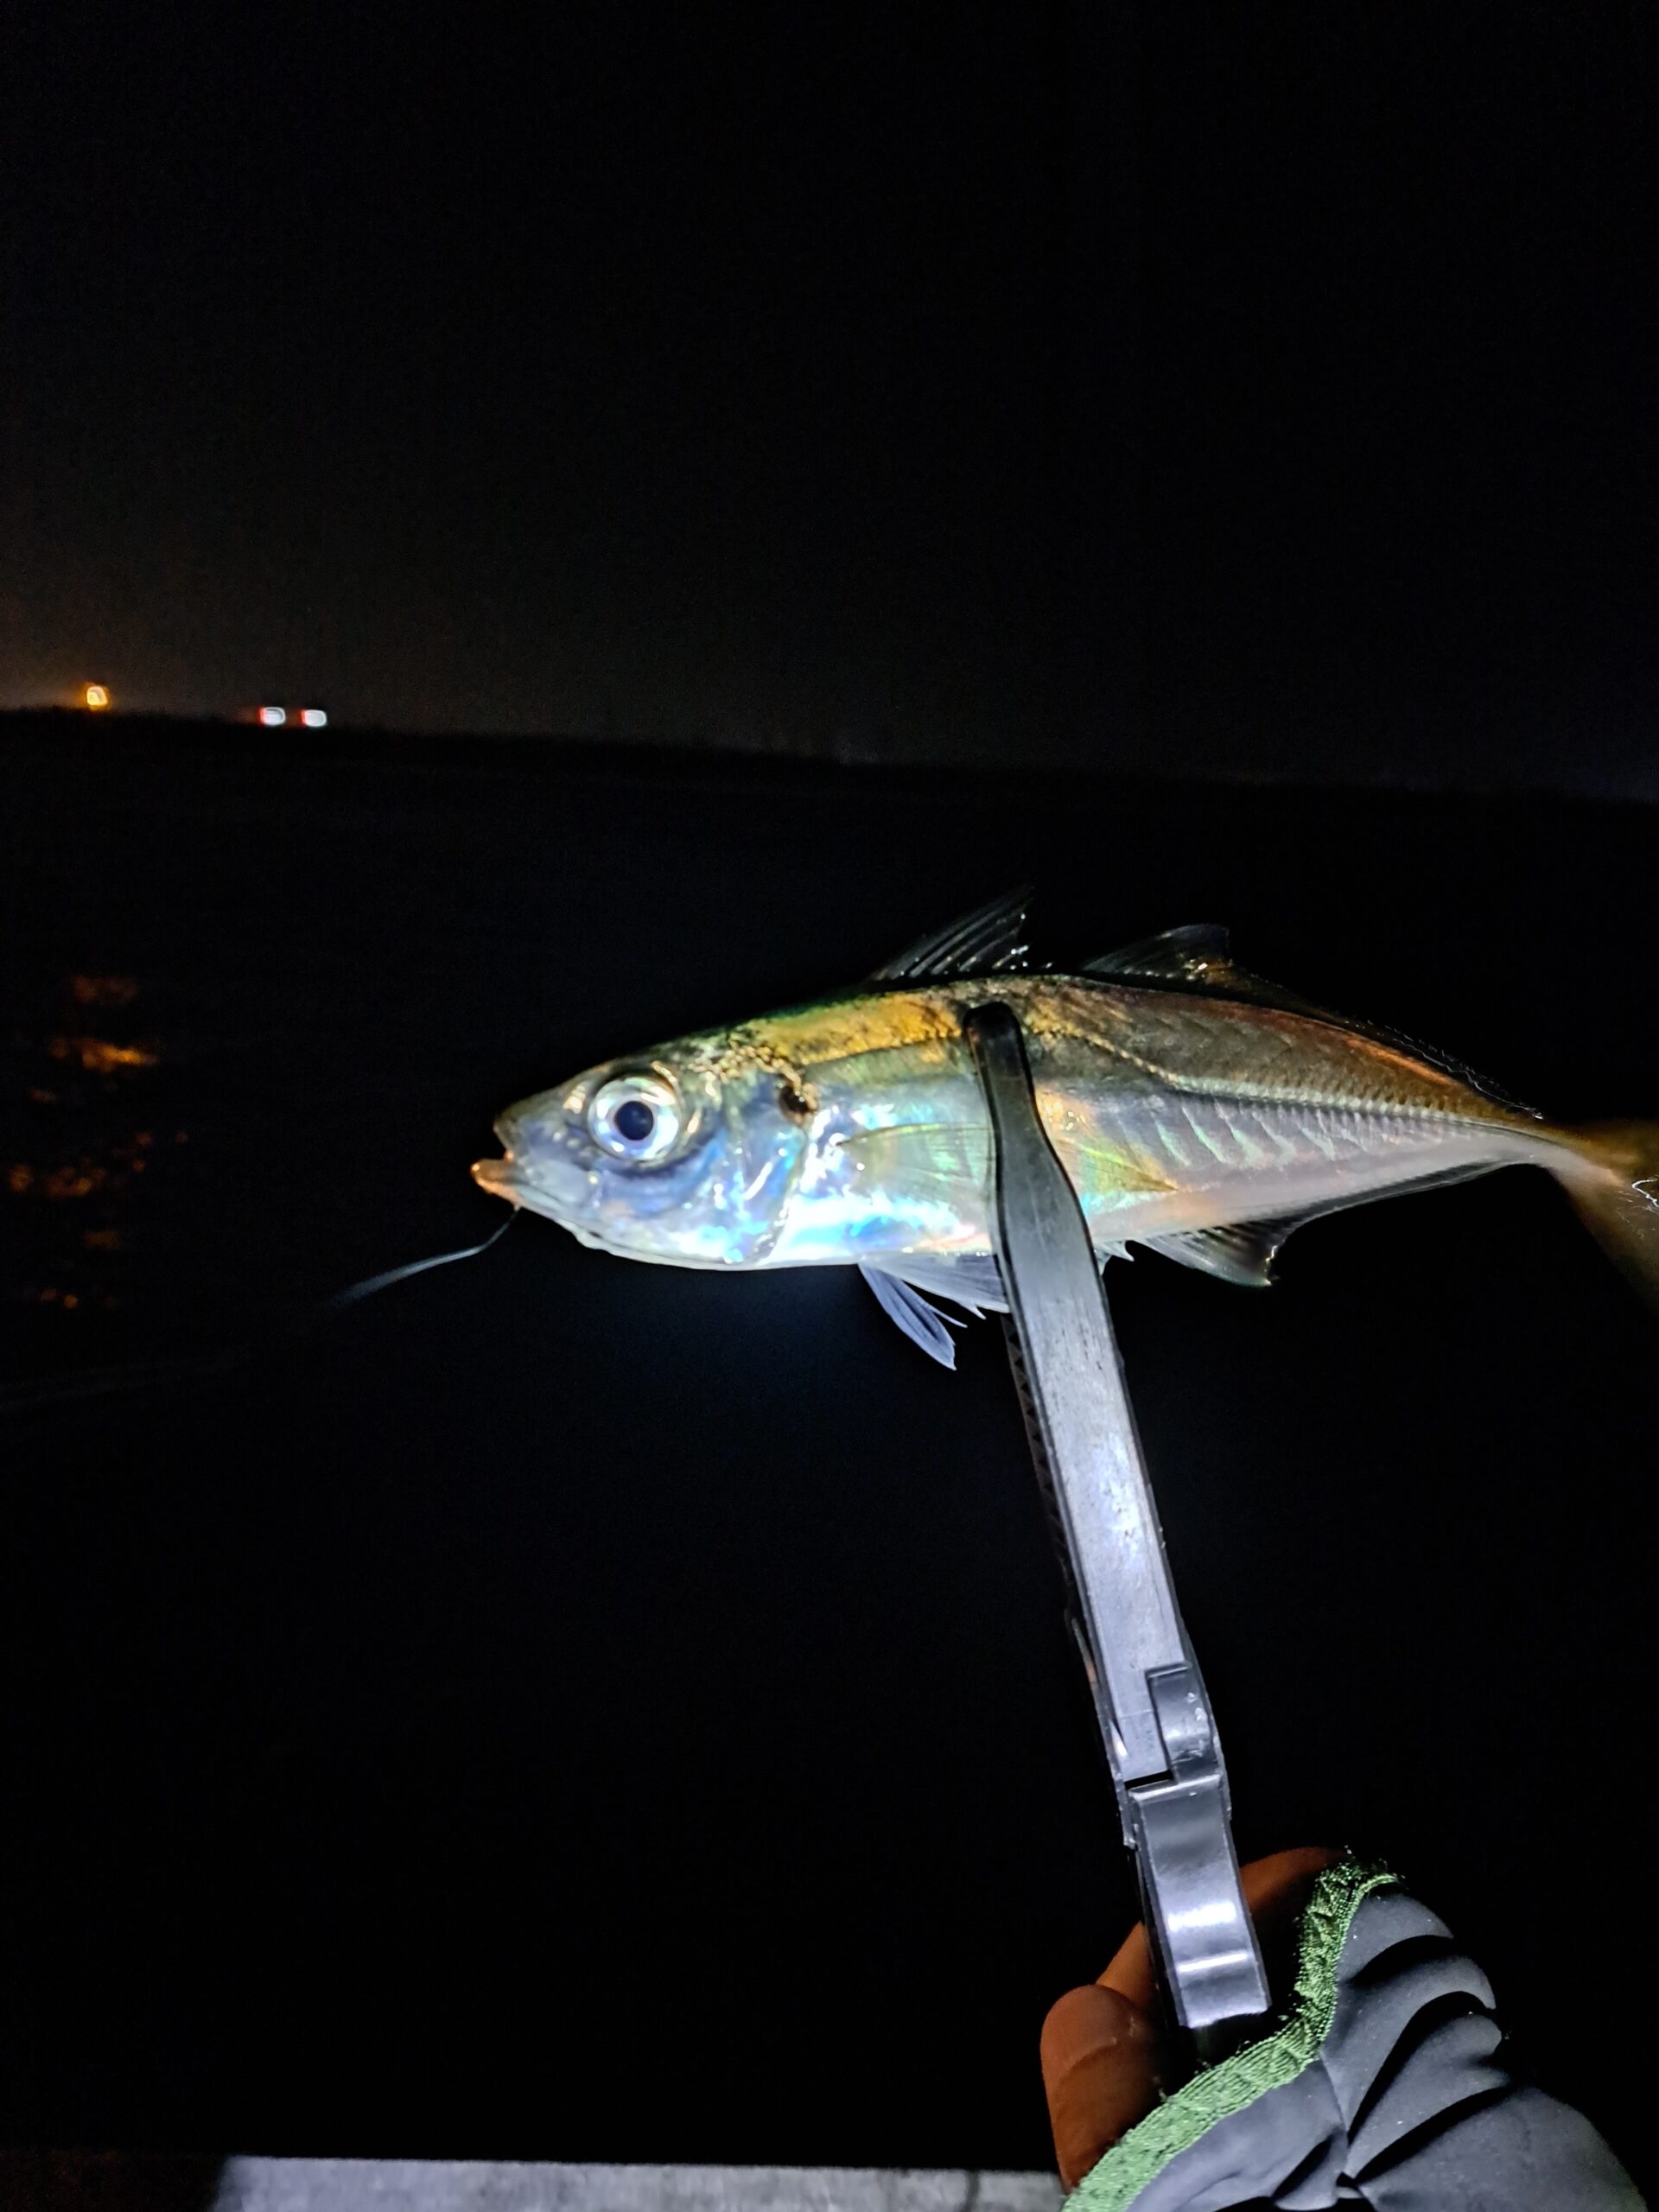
x=571, y=1710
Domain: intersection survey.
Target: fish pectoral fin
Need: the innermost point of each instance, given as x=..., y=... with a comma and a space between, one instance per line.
x=1243, y=1252
x=991, y=941
x=915, y=1317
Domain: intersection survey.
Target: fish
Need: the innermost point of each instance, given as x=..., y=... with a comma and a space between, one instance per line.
x=1200, y=1112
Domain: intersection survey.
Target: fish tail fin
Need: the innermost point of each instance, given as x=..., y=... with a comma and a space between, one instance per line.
x=1613, y=1182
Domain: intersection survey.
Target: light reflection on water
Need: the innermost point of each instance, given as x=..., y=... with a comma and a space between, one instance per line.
x=75, y=1198
x=100, y=1055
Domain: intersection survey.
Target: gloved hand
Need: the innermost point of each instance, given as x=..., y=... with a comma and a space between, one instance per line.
x=1378, y=2081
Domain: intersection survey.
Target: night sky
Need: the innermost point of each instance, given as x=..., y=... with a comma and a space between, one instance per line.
x=1252, y=391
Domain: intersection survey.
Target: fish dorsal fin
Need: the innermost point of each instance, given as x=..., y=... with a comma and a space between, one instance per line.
x=1195, y=954
x=991, y=941
x=1243, y=1252
x=923, y=1324
x=1198, y=959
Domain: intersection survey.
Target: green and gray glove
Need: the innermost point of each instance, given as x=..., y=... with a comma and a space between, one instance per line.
x=1382, y=2082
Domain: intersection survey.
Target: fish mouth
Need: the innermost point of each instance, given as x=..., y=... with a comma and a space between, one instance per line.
x=501, y=1178
x=554, y=1186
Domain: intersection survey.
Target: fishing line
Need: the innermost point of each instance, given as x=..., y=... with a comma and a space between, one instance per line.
x=355, y=1292
x=148, y=1374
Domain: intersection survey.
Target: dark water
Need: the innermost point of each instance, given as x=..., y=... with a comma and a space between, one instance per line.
x=565, y=1709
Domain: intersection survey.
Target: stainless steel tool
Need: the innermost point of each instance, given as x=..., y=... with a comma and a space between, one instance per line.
x=1154, y=1715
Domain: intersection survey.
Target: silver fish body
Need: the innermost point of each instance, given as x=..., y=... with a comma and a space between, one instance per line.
x=1195, y=1109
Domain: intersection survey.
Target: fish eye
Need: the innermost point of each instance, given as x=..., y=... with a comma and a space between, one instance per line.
x=635, y=1117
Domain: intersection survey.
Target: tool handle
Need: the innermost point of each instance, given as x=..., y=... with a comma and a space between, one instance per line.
x=1154, y=1715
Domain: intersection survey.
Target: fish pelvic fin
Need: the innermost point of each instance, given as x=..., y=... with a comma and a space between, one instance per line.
x=1613, y=1182
x=915, y=1316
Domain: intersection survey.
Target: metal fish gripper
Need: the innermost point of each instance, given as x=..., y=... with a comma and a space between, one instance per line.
x=1155, y=1719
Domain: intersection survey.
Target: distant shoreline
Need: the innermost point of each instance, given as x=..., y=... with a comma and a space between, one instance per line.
x=129, y=734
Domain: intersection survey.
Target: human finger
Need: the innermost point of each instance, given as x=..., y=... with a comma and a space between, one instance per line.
x=1102, y=2067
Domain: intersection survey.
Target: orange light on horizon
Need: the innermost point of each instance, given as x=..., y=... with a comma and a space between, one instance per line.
x=96, y=696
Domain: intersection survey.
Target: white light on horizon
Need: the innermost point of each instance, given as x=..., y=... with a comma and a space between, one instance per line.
x=273, y=717
x=314, y=718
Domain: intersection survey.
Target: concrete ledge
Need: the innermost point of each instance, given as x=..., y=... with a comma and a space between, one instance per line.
x=61, y=2181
